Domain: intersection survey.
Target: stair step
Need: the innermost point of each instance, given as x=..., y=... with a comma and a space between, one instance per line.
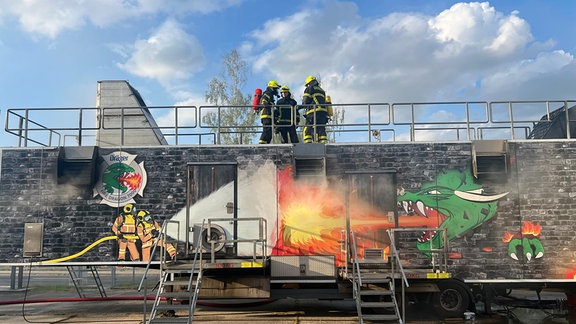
x=375, y=280
x=169, y=320
x=175, y=270
x=173, y=307
x=377, y=304
x=376, y=292
x=177, y=283
x=177, y=294
x=380, y=317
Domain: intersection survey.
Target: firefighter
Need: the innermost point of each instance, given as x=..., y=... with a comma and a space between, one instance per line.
x=314, y=101
x=267, y=102
x=149, y=233
x=125, y=229
x=288, y=116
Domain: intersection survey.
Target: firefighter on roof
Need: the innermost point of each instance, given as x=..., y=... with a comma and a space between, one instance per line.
x=288, y=116
x=149, y=233
x=125, y=229
x=267, y=102
x=314, y=101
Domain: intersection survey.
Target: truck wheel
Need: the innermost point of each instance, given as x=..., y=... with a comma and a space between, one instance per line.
x=452, y=300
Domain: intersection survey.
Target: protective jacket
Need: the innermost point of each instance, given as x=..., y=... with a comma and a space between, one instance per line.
x=315, y=97
x=267, y=101
x=287, y=111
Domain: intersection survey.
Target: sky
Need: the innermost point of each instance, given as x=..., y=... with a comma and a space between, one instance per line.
x=52, y=53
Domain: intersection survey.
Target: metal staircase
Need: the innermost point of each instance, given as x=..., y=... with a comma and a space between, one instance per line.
x=80, y=278
x=178, y=287
x=374, y=287
x=165, y=310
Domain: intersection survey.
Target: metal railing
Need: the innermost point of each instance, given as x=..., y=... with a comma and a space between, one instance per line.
x=260, y=238
x=351, y=123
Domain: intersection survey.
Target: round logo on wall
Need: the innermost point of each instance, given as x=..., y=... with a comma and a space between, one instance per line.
x=120, y=179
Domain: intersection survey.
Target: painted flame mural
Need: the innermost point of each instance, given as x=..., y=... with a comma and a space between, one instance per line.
x=312, y=217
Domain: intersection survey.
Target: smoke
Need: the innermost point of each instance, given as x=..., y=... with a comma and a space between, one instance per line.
x=257, y=196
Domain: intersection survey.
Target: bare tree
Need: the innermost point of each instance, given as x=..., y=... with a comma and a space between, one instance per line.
x=234, y=119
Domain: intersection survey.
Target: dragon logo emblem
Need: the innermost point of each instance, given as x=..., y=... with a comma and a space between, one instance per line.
x=121, y=179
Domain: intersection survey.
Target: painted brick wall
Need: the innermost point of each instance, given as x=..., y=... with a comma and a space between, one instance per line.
x=540, y=183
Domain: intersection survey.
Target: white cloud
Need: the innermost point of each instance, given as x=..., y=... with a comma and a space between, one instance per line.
x=549, y=76
x=50, y=18
x=168, y=55
x=406, y=56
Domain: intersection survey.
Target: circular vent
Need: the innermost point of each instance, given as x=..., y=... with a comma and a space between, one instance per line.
x=217, y=236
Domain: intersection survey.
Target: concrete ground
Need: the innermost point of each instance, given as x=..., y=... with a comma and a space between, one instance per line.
x=49, y=297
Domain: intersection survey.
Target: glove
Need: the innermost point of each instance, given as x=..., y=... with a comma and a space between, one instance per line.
x=155, y=232
x=120, y=236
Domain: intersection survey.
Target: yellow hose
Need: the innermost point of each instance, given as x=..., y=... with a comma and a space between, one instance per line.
x=107, y=238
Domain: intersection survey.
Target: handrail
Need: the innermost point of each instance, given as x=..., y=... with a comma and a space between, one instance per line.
x=357, y=278
x=397, y=257
x=443, y=250
x=353, y=122
x=356, y=268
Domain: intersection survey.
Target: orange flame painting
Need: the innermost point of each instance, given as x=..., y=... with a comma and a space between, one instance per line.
x=312, y=219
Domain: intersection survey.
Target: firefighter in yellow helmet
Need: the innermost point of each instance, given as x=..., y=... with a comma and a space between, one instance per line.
x=124, y=228
x=267, y=102
x=149, y=233
x=288, y=116
x=314, y=101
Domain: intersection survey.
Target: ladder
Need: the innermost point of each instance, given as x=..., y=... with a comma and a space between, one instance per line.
x=374, y=289
x=79, y=277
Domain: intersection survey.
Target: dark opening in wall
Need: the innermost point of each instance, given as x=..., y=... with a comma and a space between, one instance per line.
x=490, y=160
x=77, y=165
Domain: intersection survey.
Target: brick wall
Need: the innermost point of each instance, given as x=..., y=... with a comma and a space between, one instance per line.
x=540, y=183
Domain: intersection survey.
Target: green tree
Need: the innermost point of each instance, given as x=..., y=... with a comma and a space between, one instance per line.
x=235, y=120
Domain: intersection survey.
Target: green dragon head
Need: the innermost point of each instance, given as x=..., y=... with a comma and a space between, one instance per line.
x=120, y=176
x=455, y=200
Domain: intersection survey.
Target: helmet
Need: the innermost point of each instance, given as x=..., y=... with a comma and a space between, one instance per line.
x=145, y=215
x=309, y=79
x=285, y=88
x=273, y=84
x=129, y=208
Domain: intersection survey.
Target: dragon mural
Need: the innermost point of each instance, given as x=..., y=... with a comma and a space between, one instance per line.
x=457, y=203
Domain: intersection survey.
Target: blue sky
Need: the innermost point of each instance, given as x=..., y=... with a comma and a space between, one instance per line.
x=52, y=53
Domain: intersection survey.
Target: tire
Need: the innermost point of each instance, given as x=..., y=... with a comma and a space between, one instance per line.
x=452, y=300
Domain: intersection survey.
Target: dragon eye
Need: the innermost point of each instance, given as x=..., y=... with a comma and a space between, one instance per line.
x=433, y=192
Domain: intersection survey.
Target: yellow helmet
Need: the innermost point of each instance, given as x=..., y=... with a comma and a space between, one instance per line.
x=273, y=84
x=129, y=208
x=309, y=79
x=285, y=88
